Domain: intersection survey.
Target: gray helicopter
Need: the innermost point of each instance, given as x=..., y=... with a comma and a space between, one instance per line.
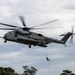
x=24, y=35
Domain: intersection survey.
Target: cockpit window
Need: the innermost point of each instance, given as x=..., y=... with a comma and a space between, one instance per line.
x=9, y=33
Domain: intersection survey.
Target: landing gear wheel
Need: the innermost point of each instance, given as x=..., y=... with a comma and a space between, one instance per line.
x=29, y=46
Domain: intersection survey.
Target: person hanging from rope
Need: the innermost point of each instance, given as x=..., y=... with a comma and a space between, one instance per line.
x=47, y=59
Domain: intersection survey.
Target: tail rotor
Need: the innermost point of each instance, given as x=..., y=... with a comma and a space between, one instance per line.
x=72, y=33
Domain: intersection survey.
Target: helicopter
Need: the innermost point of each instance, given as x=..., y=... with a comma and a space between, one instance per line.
x=24, y=35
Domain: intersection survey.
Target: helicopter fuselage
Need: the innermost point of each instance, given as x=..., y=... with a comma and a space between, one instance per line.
x=29, y=38
x=32, y=38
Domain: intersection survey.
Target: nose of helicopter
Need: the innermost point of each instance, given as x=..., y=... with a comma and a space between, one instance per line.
x=5, y=36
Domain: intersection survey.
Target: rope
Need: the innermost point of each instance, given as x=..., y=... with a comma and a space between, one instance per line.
x=48, y=60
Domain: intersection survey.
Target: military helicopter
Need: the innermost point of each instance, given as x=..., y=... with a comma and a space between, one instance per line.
x=24, y=35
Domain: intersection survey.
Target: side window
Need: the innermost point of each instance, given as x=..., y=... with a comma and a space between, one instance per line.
x=40, y=35
x=10, y=34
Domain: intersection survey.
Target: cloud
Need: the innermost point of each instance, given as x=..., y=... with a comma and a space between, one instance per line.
x=9, y=55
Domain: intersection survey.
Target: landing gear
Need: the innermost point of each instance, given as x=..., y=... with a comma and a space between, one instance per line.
x=29, y=46
x=5, y=41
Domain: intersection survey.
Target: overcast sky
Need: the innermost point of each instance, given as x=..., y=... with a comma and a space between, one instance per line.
x=37, y=12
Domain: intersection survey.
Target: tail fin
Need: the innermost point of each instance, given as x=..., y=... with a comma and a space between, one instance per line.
x=66, y=37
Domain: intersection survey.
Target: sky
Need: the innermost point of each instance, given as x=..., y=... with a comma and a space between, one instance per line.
x=37, y=12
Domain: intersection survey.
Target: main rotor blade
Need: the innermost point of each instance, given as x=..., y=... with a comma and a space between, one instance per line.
x=45, y=23
x=23, y=22
x=1, y=37
x=38, y=28
x=7, y=29
x=7, y=25
x=44, y=28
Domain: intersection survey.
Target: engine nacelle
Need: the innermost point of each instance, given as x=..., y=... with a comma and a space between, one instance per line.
x=22, y=32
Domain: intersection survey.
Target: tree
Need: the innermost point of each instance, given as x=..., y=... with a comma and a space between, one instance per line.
x=29, y=70
x=7, y=71
x=67, y=72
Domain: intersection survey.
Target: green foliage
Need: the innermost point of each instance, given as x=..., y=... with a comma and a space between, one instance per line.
x=7, y=71
x=67, y=72
x=29, y=70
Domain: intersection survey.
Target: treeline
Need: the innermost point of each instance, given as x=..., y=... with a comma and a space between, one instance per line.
x=27, y=71
x=9, y=71
x=67, y=72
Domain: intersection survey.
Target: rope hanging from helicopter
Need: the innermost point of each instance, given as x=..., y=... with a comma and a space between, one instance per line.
x=48, y=60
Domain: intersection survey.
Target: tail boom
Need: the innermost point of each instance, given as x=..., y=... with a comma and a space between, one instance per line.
x=66, y=37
